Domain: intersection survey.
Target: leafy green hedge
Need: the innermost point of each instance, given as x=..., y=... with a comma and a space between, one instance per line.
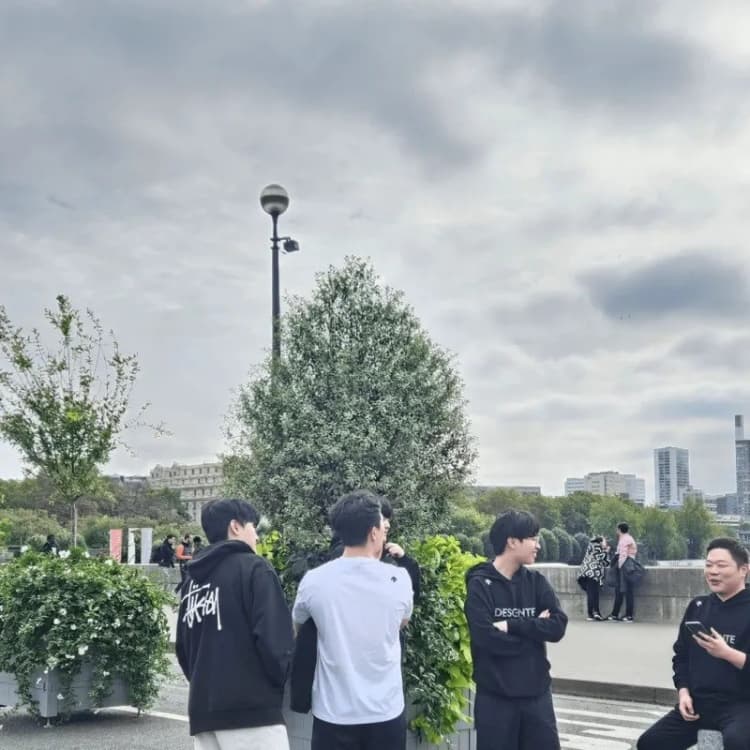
x=59, y=613
x=438, y=658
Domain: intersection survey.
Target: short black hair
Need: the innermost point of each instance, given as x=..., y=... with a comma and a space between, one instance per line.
x=623, y=527
x=197, y=540
x=355, y=515
x=50, y=537
x=386, y=508
x=513, y=524
x=735, y=549
x=218, y=514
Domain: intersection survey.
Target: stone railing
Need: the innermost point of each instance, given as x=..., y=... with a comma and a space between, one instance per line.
x=662, y=596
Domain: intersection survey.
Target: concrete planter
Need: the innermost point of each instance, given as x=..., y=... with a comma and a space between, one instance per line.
x=299, y=728
x=46, y=687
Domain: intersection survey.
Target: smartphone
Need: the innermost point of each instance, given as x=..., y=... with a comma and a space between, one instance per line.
x=696, y=626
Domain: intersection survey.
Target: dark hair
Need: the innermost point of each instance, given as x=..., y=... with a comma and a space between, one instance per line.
x=218, y=514
x=197, y=540
x=386, y=508
x=513, y=524
x=354, y=515
x=597, y=540
x=732, y=546
x=623, y=527
x=50, y=537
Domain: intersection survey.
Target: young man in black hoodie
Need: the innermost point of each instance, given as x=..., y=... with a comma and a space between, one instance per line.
x=711, y=664
x=512, y=612
x=234, y=636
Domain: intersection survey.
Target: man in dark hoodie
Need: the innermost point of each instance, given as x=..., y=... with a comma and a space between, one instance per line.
x=512, y=612
x=234, y=636
x=711, y=664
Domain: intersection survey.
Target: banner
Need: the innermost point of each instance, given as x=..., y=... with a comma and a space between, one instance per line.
x=115, y=544
x=147, y=541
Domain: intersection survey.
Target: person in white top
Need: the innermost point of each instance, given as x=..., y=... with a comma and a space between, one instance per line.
x=626, y=547
x=359, y=605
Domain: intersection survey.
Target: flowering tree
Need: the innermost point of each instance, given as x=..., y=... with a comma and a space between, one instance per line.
x=64, y=409
x=361, y=397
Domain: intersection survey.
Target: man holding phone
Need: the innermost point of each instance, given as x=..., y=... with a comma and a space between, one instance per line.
x=711, y=664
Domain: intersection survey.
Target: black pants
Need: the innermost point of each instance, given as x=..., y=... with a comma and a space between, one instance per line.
x=515, y=723
x=672, y=732
x=592, y=597
x=386, y=734
x=623, y=588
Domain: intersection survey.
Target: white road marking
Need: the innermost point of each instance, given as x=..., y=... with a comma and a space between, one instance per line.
x=156, y=714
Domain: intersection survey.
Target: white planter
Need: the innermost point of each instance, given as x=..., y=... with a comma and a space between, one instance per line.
x=46, y=687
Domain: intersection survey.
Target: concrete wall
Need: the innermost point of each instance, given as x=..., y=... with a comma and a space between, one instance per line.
x=662, y=596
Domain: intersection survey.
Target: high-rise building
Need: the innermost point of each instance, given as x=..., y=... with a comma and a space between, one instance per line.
x=671, y=476
x=196, y=483
x=609, y=483
x=742, y=448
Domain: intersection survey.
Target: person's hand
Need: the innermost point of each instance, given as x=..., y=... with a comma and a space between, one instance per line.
x=685, y=706
x=394, y=550
x=544, y=615
x=501, y=625
x=714, y=644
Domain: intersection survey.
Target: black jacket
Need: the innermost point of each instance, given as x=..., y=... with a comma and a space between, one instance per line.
x=705, y=676
x=234, y=639
x=512, y=664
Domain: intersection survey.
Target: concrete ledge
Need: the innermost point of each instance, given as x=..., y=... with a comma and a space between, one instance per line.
x=613, y=691
x=709, y=739
x=662, y=597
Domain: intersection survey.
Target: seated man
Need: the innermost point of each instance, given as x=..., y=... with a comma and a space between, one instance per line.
x=711, y=668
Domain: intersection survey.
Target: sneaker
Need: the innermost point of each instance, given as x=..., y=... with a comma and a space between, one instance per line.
x=627, y=619
x=612, y=618
x=590, y=619
x=597, y=617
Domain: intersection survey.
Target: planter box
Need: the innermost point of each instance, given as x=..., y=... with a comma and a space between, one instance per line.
x=46, y=687
x=299, y=729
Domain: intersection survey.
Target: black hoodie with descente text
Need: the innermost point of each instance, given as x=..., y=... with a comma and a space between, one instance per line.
x=512, y=664
x=708, y=678
x=234, y=639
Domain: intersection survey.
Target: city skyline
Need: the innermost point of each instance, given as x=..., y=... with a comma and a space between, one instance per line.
x=561, y=197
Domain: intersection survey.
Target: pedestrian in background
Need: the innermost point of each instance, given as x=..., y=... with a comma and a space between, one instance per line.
x=591, y=575
x=626, y=548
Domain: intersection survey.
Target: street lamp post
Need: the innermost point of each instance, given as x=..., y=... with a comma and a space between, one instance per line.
x=275, y=200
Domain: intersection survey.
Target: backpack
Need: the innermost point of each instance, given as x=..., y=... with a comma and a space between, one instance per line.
x=156, y=555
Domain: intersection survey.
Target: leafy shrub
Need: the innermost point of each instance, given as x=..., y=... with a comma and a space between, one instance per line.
x=438, y=658
x=564, y=547
x=57, y=614
x=550, y=545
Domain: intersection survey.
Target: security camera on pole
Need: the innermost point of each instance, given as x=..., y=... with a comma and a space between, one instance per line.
x=275, y=200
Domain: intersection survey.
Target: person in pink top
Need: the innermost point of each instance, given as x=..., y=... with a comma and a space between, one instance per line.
x=626, y=547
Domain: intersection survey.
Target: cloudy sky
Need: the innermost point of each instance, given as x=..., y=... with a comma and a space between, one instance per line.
x=559, y=187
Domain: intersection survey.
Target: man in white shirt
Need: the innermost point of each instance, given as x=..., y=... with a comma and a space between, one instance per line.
x=358, y=604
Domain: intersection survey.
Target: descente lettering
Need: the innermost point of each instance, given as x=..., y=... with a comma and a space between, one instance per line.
x=505, y=612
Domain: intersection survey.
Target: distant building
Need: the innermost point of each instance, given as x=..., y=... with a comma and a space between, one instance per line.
x=609, y=483
x=671, y=476
x=522, y=489
x=196, y=483
x=742, y=448
x=575, y=484
x=726, y=505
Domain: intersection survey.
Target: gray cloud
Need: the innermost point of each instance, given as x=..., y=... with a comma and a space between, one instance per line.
x=696, y=284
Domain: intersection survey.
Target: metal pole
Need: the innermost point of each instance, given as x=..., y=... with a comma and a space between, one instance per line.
x=275, y=304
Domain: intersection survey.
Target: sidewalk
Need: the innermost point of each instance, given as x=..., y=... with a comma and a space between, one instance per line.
x=609, y=660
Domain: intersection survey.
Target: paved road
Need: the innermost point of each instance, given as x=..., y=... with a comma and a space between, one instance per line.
x=584, y=724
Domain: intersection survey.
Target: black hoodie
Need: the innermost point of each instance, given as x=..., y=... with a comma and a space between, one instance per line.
x=706, y=677
x=512, y=664
x=234, y=639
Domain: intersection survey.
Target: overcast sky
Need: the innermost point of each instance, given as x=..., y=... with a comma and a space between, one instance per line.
x=560, y=188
